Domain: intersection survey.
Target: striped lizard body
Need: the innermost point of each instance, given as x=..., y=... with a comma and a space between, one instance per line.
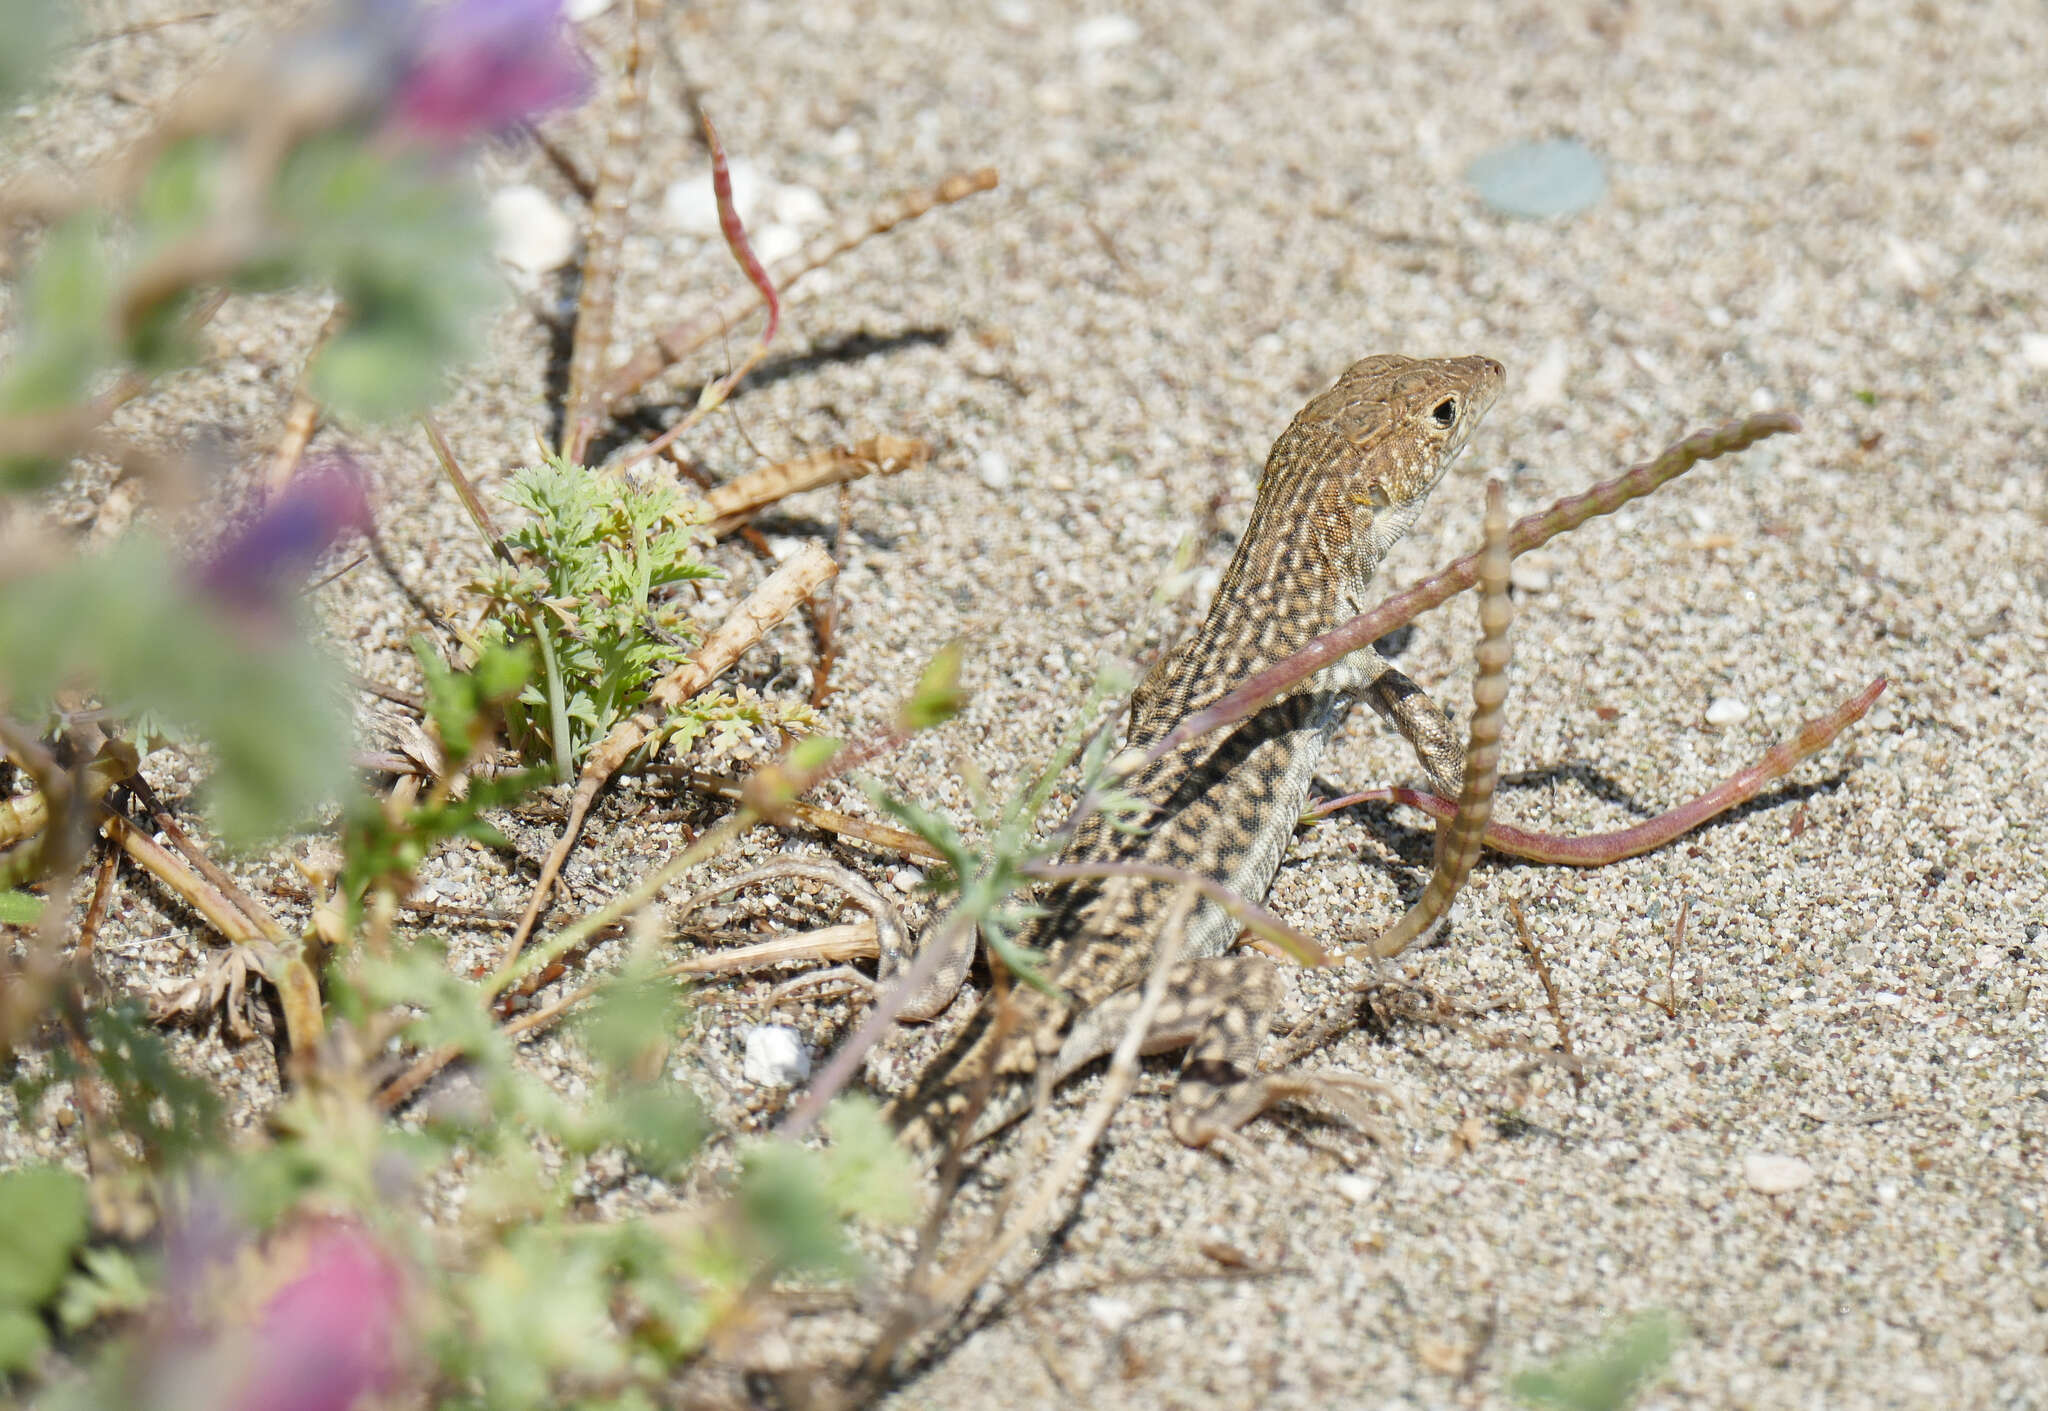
x=1344, y=482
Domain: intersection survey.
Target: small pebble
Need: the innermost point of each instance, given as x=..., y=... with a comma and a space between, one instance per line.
x=1110, y=1314
x=578, y=11
x=796, y=206
x=771, y=242
x=1774, y=1173
x=690, y=205
x=1105, y=32
x=1353, y=1187
x=529, y=231
x=776, y=1057
x=994, y=470
x=2034, y=350
x=1726, y=710
x=906, y=879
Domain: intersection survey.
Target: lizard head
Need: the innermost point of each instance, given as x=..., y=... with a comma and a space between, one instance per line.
x=1381, y=436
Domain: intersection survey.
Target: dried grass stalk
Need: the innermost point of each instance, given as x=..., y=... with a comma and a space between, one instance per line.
x=744, y=496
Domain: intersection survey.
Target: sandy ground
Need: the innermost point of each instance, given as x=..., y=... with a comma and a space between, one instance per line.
x=1205, y=213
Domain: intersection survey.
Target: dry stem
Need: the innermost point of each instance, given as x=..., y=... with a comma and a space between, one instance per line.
x=596, y=304
x=744, y=496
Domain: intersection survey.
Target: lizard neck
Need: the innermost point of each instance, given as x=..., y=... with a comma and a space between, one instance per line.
x=1302, y=568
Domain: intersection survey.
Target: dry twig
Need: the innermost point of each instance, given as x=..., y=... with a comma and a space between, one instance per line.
x=1564, y=1030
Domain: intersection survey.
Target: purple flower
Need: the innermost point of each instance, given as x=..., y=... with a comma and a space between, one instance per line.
x=332, y=1335
x=253, y=566
x=479, y=66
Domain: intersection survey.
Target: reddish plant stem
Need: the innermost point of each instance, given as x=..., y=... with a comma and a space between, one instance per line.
x=1599, y=849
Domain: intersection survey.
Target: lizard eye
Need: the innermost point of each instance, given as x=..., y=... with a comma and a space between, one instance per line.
x=1446, y=412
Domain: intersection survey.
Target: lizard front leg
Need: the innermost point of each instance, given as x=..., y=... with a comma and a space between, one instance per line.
x=1429, y=732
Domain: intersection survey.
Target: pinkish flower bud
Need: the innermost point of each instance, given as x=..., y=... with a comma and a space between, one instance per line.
x=334, y=1334
x=479, y=66
x=327, y=500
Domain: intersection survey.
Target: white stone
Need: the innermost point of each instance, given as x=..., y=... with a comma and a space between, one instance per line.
x=580, y=10
x=1774, y=1173
x=795, y=205
x=1353, y=1187
x=771, y=242
x=1531, y=572
x=690, y=204
x=776, y=1057
x=906, y=879
x=2034, y=350
x=994, y=469
x=529, y=231
x=1726, y=710
x=1105, y=32
x=1110, y=1314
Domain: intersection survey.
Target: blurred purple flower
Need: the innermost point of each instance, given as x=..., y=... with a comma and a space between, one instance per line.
x=331, y=1336
x=479, y=66
x=254, y=566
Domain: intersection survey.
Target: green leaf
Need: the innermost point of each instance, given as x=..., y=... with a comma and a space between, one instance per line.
x=784, y=1198
x=1608, y=1377
x=65, y=329
x=407, y=251
x=661, y=1124
x=629, y=1015
x=111, y=1284
x=22, y=1340
x=812, y=753
x=869, y=1173
x=42, y=1221
x=938, y=697
x=171, y=1113
x=379, y=370
x=20, y=909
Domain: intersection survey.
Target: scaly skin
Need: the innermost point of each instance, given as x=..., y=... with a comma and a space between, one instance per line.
x=1344, y=482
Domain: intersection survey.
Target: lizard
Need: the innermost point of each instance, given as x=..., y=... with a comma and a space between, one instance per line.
x=1348, y=477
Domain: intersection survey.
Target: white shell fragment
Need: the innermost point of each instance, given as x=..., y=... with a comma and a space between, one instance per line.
x=529, y=231
x=1774, y=1173
x=1726, y=710
x=776, y=1057
x=1105, y=32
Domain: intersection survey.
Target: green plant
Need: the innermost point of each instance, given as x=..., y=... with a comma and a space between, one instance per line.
x=1607, y=1376
x=596, y=552
x=986, y=881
